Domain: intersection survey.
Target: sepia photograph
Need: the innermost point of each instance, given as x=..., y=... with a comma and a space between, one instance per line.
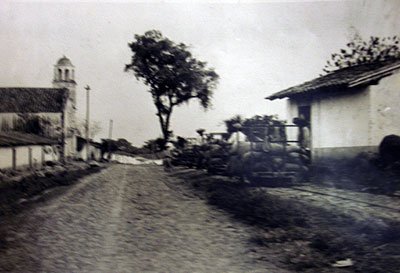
x=200, y=136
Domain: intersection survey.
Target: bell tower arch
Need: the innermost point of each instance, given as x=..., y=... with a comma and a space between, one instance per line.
x=64, y=77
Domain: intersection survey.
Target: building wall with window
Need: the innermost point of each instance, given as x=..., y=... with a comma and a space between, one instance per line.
x=345, y=124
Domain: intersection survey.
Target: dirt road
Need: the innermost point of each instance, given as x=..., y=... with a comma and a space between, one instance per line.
x=359, y=205
x=129, y=219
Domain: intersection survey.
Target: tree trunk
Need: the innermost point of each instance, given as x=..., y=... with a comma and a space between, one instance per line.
x=164, y=124
x=164, y=115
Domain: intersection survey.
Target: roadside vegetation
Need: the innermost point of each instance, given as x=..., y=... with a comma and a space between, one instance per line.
x=18, y=187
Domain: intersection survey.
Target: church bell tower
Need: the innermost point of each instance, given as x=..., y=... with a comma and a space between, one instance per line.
x=64, y=77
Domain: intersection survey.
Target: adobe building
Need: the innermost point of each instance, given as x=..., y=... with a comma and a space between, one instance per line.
x=349, y=110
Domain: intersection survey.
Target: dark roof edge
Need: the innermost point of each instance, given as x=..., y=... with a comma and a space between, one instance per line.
x=22, y=139
x=373, y=76
x=364, y=80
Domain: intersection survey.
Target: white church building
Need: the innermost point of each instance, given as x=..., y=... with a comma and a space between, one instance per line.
x=48, y=112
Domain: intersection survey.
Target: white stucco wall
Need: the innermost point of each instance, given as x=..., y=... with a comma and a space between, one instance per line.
x=5, y=157
x=70, y=147
x=338, y=122
x=70, y=124
x=343, y=125
x=22, y=156
x=37, y=155
x=385, y=111
x=341, y=120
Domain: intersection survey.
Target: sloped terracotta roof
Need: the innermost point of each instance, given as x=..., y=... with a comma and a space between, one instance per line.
x=341, y=79
x=32, y=100
x=9, y=139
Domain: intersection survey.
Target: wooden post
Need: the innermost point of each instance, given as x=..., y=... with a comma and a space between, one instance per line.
x=14, y=158
x=43, y=159
x=87, y=123
x=62, y=151
x=109, y=139
x=30, y=157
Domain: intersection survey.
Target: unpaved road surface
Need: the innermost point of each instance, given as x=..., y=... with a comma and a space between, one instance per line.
x=129, y=219
x=310, y=227
x=361, y=206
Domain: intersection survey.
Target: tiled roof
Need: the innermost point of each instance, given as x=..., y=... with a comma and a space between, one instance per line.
x=8, y=139
x=341, y=79
x=32, y=100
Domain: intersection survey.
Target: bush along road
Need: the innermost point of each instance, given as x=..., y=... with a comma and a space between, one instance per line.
x=18, y=188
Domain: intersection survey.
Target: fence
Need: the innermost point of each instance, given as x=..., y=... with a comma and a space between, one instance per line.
x=31, y=156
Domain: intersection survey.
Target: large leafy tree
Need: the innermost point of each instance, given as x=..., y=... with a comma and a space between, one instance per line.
x=359, y=51
x=173, y=75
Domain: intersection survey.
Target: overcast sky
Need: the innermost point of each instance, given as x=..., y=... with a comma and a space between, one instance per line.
x=257, y=48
